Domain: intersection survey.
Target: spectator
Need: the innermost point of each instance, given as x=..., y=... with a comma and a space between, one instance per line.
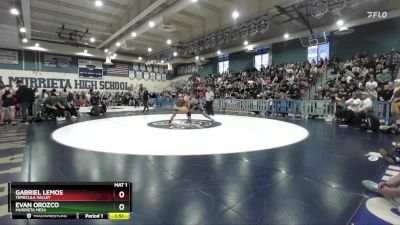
x=25, y=96
x=371, y=84
x=51, y=104
x=8, y=104
x=146, y=96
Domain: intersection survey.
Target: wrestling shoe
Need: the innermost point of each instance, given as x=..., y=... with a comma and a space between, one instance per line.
x=388, y=158
x=371, y=186
x=74, y=117
x=169, y=121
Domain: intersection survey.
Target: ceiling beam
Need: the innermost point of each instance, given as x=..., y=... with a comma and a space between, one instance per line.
x=305, y=21
x=82, y=20
x=209, y=7
x=181, y=24
x=192, y=16
x=115, y=5
x=26, y=14
x=80, y=8
x=132, y=22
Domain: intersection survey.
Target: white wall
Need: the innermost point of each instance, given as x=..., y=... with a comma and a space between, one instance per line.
x=72, y=81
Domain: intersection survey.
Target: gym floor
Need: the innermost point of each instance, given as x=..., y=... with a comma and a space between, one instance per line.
x=314, y=181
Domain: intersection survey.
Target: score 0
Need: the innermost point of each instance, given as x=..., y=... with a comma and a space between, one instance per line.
x=121, y=192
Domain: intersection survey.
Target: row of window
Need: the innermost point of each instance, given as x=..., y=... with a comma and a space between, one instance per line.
x=259, y=61
x=262, y=60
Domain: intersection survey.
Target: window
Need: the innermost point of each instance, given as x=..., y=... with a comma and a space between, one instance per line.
x=317, y=52
x=261, y=60
x=223, y=66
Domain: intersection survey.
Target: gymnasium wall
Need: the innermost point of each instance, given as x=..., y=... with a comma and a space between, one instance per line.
x=72, y=81
x=32, y=70
x=378, y=37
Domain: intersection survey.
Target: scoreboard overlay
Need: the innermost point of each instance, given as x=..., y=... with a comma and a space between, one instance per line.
x=76, y=200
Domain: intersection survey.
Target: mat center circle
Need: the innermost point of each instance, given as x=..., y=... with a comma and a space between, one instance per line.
x=184, y=124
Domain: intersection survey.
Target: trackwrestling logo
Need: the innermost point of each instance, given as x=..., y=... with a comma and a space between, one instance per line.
x=377, y=15
x=183, y=124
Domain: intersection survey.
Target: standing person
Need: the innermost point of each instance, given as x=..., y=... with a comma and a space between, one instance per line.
x=25, y=96
x=145, y=97
x=209, y=101
x=7, y=104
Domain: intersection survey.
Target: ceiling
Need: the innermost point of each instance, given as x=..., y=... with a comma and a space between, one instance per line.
x=116, y=19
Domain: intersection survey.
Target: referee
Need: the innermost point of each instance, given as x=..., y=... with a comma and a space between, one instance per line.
x=209, y=101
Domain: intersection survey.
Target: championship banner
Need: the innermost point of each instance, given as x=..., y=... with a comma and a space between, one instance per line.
x=131, y=75
x=156, y=68
x=146, y=75
x=142, y=67
x=149, y=68
x=158, y=76
x=139, y=75
x=135, y=66
x=164, y=76
x=152, y=76
x=57, y=61
x=8, y=57
x=90, y=68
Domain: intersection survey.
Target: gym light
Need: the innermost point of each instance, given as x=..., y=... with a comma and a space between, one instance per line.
x=92, y=39
x=286, y=36
x=197, y=57
x=149, y=49
x=245, y=43
x=169, y=42
x=151, y=24
x=118, y=44
x=343, y=28
x=175, y=54
x=194, y=0
x=98, y=3
x=140, y=58
x=37, y=45
x=85, y=51
x=115, y=54
x=219, y=52
x=133, y=34
x=25, y=40
x=340, y=22
x=22, y=30
x=14, y=11
x=235, y=15
x=162, y=61
x=106, y=50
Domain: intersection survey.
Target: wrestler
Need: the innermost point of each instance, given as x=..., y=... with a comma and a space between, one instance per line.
x=195, y=105
x=182, y=105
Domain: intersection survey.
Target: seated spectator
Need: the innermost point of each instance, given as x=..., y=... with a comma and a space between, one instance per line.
x=371, y=83
x=365, y=109
x=384, y=77
x=52, y=107
x=353, y=107
x=387, y=92
x=66, y=105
